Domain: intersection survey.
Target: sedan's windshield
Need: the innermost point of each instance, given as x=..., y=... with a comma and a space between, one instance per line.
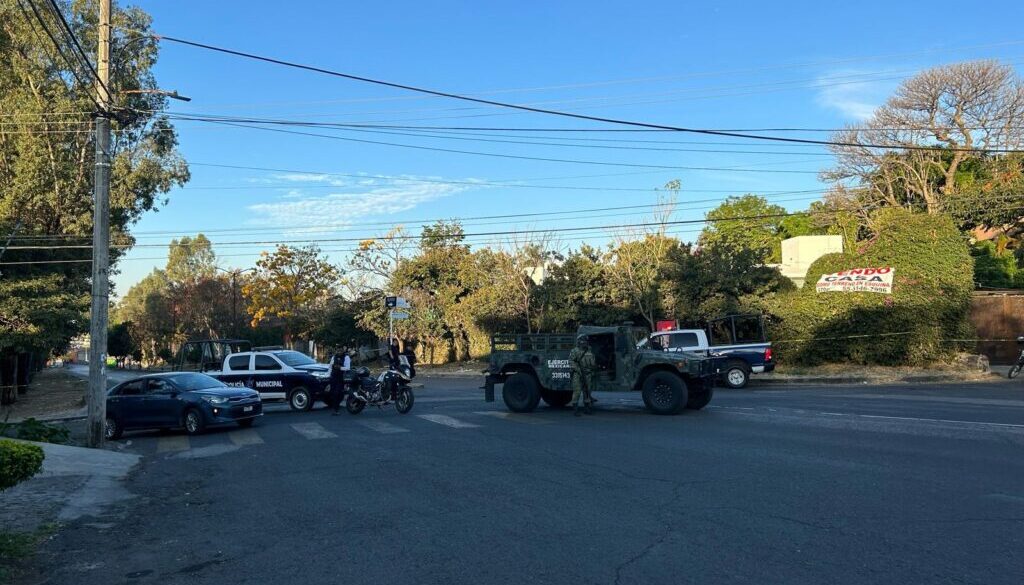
x=294, y=358
x=190, y=381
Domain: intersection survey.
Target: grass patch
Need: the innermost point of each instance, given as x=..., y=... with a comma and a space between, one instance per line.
x=16, y=548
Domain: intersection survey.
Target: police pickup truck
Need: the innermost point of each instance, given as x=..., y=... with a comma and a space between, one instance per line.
x=738, y=339
x=277, y=374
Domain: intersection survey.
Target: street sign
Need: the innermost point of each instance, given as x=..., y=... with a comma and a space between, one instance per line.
x=396, y=303
x=399, y=315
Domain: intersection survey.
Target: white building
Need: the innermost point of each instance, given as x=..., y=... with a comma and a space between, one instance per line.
x=800, y=252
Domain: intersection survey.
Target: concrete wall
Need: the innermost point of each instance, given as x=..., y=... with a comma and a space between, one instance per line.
x=998, y=316
x=800, y=252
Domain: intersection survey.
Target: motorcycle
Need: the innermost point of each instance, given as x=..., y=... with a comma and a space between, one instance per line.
x=390, y=386
x=1020, y=360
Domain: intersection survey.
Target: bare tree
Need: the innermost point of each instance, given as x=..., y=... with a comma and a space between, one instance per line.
x=972, y=105
x=375, y=260
x=639, y=258
x=523, y=266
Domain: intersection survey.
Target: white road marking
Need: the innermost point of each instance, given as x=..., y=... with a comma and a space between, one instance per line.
x=512, y=416
x=245, y=437
x=447, y=421
x=172, y=443
x=382, y=427
x=313, y=430
x=1005, y=498
x=943, y=420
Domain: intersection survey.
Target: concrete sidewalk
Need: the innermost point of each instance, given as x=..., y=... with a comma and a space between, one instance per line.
x=75, y=482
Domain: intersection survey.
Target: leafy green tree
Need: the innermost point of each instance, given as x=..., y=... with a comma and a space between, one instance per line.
x=190, y=260
x=149, y=307
x=120, y=343
x=759, y=229
x=46, y=159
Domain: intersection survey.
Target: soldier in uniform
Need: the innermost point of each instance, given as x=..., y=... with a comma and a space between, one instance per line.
x=582, y=360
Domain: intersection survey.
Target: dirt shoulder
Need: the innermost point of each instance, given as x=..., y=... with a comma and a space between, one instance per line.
x=54, y=393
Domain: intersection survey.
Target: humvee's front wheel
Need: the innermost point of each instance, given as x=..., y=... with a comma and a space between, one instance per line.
x=664, y=393
x=521, y=393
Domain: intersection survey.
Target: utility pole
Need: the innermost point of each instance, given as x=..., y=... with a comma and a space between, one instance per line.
x=97, y=399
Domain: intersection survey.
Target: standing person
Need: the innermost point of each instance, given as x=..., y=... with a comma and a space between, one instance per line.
x=341, y=364
x=393, y=352
x=410, y=356
x=583, y=365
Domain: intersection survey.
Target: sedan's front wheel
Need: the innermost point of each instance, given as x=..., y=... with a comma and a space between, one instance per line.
x=113, y=429
x=194, y=423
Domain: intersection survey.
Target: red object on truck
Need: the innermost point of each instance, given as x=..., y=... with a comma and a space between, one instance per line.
x=666, y=325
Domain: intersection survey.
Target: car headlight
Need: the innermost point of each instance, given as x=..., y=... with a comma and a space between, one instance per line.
x=322, y=375
x=216, y=399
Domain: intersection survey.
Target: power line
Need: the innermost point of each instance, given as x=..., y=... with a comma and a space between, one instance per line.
x=464, y=221
x=56, y=44
x=510, y=156
x=612, y=227
x=70, y=35
x=573, y=115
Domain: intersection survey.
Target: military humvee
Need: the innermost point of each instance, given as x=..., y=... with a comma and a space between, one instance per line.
x=534, y=367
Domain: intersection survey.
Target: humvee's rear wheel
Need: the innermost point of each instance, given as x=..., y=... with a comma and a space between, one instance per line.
x=664, y=393
x=556, y=398
x=521, y=393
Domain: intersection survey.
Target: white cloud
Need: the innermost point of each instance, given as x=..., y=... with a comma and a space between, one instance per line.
x=299, y=212
x=854, y=94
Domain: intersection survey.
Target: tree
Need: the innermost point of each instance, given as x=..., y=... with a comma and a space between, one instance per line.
x=638, y=270
x=374, y=262
x=46, y=158
x=149, y=307
x=521, y=268
x=978, y=104
x=293, y=285
x=120, y=344
x=761, y=232
x=190, y=260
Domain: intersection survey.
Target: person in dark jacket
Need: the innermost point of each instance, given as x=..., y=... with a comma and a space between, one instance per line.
x=341, y=365
x=410, y=356
x=393, y=352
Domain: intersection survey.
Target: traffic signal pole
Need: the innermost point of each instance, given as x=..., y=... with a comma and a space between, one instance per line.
x=97, y=397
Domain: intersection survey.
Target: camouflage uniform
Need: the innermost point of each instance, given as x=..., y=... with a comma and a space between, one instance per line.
x=582, y=360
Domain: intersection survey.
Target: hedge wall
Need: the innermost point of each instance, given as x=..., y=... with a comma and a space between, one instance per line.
x=932, y=287
x=18, y=462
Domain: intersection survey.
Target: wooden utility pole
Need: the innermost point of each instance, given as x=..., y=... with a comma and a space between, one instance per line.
x=100, y=241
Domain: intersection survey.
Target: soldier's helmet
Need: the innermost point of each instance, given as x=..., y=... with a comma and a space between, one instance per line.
x=581, y=340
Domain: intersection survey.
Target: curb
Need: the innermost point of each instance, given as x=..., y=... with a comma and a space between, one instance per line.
x=825, y=381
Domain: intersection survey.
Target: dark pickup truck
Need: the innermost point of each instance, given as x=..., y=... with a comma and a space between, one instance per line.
x=535, y=367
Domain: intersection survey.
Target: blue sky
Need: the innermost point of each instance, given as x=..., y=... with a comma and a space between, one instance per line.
x=726, y=65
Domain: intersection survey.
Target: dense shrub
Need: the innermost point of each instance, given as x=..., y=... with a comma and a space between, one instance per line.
x=929, y=305
x=994, y=268
x=34, y=430
x=18, y=462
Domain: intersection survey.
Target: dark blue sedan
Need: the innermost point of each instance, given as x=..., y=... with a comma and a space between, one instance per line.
x=178, y=400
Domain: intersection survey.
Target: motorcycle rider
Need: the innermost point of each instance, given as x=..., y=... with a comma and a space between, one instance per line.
x=341, y=365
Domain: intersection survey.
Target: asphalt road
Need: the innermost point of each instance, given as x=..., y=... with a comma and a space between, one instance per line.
x=921, y=484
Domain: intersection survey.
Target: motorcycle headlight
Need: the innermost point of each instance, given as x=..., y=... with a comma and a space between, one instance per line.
x=216, y=399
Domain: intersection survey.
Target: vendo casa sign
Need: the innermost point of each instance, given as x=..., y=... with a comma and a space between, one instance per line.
x=877, y=280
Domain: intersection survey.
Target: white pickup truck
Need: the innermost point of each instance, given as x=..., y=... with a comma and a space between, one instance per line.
x=741, y=359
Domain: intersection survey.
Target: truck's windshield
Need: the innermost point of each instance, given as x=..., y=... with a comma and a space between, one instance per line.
x=294, y=358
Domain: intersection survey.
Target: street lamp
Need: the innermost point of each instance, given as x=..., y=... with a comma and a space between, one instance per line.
x=234, y=312
x=171, y=94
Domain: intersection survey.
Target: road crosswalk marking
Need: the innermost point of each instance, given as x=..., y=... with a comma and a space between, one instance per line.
x=172, y=443
x=382, y=427
x=519, y=418
x=243, y=437
x=313, y=431
x=447, y=421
